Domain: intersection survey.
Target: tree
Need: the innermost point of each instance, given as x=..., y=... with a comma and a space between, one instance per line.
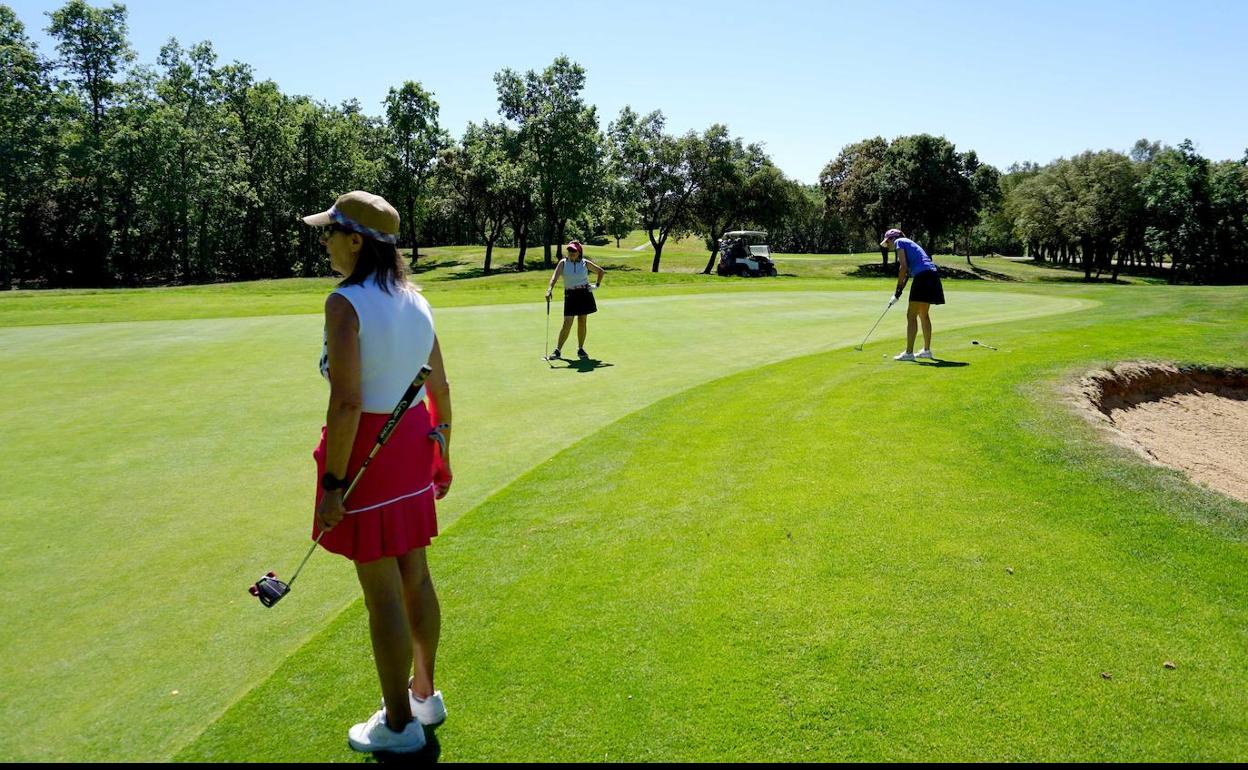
x=664, y=171
x=478, y=173
x=27, y=140
x=561, y=139
x=415, y=141
x=853, y=186
x=92, y=50
x=619, y=208
x=1179, y=206
x=926, y=185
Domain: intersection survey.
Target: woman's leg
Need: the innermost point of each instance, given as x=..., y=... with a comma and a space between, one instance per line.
x=927, y=324
x=580, y=330
x=912, y=325
x=563, y=333
x=392, y=641
x=424, y=616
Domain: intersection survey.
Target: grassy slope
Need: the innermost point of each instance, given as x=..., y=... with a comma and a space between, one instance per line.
x=785, y=564
x=172, y=459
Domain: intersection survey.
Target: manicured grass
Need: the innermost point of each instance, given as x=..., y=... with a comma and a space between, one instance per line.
x=164, y=465
x=829, y=558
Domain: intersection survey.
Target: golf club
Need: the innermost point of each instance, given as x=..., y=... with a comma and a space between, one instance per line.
x=268, y=589
x=982, y=345
x=877, y=323
x=546, y=347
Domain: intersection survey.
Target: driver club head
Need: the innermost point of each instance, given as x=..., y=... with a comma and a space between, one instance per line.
x=269, y=590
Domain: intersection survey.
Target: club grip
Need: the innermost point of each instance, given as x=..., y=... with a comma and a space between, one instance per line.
x=409, y=396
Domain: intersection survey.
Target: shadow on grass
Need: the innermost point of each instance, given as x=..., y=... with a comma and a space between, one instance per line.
x=941, y=363
x=431, y=753
x=1079, y=279
x=581, y=365
x=989, y=275
x=503, y=268
x=876, y=270
x=430, y=263
x=1134, y=271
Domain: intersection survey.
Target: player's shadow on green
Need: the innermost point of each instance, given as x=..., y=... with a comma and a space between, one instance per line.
x=428, y=755
x=942, y=363
x=583, y=365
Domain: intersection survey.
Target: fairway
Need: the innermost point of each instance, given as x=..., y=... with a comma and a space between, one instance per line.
x=742, y=547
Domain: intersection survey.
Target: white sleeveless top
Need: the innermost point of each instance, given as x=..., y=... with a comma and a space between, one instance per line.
x=575, y=274
x=396, y=338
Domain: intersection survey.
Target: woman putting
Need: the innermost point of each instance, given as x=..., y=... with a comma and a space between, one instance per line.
x=378, y=334
x=926, y=291
x=578, y=298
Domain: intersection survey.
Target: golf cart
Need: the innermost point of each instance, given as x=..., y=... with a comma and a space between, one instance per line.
x=745, y=253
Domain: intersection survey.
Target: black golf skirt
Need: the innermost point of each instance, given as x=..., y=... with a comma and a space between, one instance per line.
x=925, y=287
x=578, y=302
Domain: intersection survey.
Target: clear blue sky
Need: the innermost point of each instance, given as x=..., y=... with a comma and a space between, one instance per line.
x=1012, y=80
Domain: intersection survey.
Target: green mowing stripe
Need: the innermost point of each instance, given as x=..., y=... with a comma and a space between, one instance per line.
x=165, y=464
x=787, y=564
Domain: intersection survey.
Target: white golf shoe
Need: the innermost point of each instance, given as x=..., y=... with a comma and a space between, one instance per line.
x=376, y=735
x=924, y=353
x=904, y=356
x=430, y=711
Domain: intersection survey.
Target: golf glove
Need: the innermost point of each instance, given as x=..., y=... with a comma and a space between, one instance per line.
x=892, y=300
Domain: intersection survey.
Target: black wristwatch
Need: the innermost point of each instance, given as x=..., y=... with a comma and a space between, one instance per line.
x=330, y=482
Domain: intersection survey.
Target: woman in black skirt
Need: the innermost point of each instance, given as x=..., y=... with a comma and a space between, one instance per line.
x=913, y=261
x=578, y=298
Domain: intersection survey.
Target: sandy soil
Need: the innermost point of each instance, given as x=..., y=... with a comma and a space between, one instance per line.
x=1194, y=419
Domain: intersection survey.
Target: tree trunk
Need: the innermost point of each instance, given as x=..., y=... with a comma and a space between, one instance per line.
x=658, y=249
x=710, y=262
x=489, y=254
x=884, y=255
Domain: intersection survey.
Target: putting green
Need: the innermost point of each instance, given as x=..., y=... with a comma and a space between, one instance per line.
x=164, y=464
x=817, y=560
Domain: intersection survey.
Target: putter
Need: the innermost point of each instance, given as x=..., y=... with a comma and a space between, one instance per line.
x=982, y=345
x=268, y=589
x=877, y=323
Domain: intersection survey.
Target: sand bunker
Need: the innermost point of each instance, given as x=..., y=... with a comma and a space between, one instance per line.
x=1191, y=418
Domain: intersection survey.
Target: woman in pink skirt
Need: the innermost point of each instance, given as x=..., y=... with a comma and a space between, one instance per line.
x=378, y=333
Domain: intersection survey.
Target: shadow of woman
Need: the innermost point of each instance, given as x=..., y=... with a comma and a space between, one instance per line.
x=583, y=365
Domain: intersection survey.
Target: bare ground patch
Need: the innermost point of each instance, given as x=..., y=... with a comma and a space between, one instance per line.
x=1192, y=418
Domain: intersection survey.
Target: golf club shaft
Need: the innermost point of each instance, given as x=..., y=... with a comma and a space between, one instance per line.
x=877, y=323
x=400, y=409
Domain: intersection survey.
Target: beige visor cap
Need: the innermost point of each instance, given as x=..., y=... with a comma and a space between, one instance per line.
x=361, y=212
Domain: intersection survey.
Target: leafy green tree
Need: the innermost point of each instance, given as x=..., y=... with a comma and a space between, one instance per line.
x=1180, y=213
x=27, y=143
x=740, y=186
x=665, y=172
x=415, y=141
x=926, y=185
x=808, y=226
x=563, y=146
x=477, y=174
x=92, y=51
x=853, y=186
x=619, y=209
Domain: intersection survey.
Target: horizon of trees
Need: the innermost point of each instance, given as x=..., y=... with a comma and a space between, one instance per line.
x=116, y=173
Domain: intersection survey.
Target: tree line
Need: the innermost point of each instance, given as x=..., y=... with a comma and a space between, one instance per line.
x=114, y=173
